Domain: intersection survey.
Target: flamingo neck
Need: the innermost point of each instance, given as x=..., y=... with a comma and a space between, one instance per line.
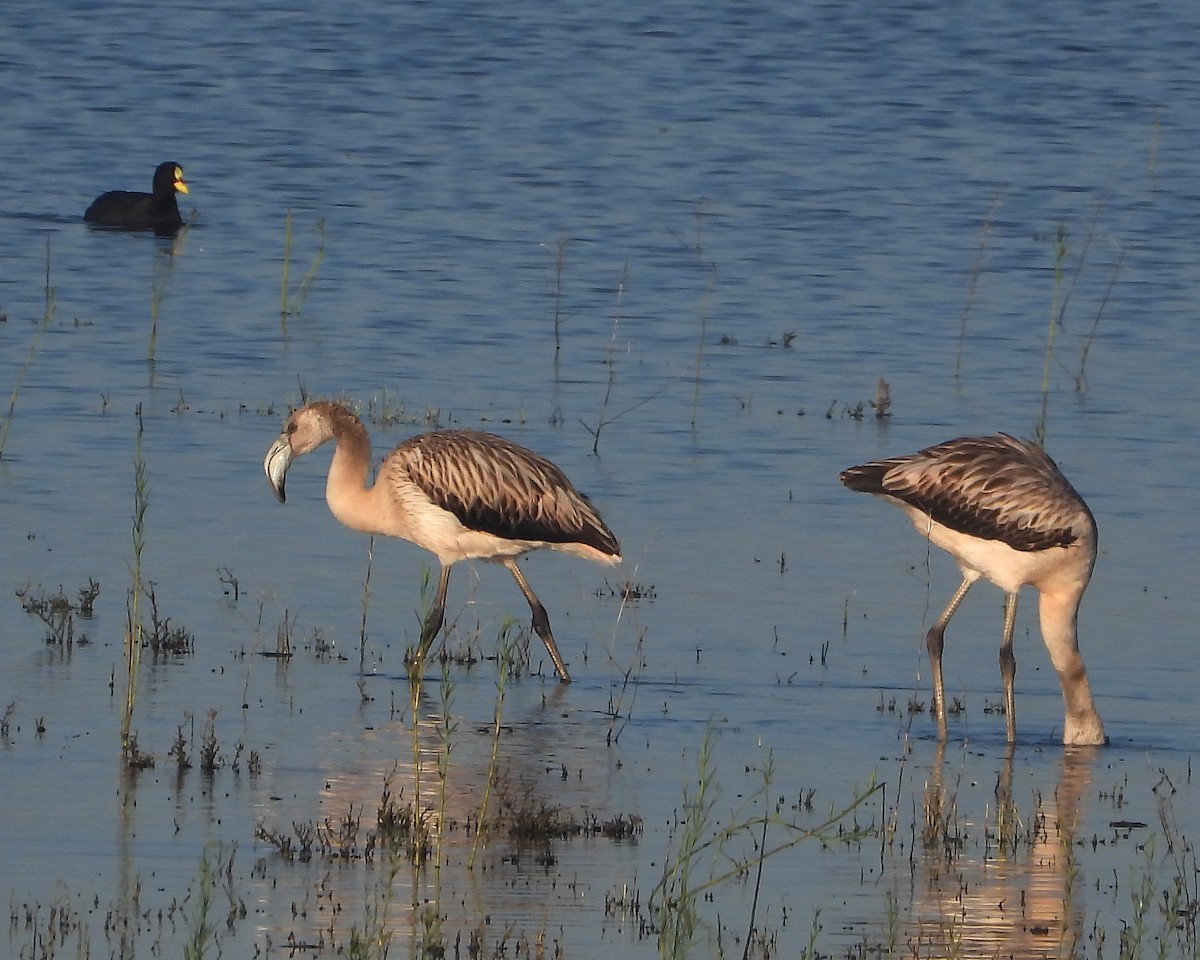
x=346, y=489
x=1059, y=612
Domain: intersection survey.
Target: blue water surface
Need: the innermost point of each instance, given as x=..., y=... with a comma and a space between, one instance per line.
x=674, y=248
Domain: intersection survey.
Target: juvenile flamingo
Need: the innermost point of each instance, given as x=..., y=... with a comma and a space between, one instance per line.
x=1003, y=510
x=460, y=494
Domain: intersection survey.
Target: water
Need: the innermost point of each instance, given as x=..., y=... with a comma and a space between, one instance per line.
x=801, y=200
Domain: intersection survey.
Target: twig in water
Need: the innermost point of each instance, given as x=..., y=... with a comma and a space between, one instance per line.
x=604, y=422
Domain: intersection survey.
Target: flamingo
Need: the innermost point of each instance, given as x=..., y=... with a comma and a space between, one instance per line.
x=1002, y=508
x=460, y=494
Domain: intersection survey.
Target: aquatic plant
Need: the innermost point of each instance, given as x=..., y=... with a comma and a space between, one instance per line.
x=704, y=837
x=366, y=601
x=560, y=262
x=610, y=362
x=676, y=893
x=404, y=832
x=883, y=400
x=202, y=929
x=1060, y=300
x=605, y=418
x=505, y=646
x=133, y=639
x=159, y=636
x=1081, y=377
x=230, y=584
x=447, y=726
x=283, y=637
x=977, y=265
x=47, y=316
x=57, y=611
x=179, y=748
x=210, y=751
x=1060, y=256
x=373, y=940
x=293, y=305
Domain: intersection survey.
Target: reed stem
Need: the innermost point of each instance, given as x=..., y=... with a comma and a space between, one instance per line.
x=287, y=263
x=504, y=662
x=366, y=598
x=47, y=315
x=133, y=644
x=1060, y=256
x=293, y=304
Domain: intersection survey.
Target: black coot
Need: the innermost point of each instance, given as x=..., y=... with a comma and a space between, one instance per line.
x=132, y=210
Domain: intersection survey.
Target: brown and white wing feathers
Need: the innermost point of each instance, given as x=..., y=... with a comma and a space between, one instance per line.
x=993, y=488
x=498, y=487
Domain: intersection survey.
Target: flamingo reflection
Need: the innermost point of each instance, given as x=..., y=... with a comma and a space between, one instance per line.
x=1023, y=896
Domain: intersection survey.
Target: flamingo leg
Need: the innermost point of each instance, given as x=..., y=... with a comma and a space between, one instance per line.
x=437, y=613
x=934, y=641
x=541, y=620
x=1008, y=665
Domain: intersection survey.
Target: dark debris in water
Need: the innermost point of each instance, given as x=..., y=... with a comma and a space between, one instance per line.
x=627, y=590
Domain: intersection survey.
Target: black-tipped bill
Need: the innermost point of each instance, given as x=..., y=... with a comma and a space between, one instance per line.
x=276, y=464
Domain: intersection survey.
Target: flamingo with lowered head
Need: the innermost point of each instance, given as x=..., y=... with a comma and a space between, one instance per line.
x=1002, y=508
x=460, y=494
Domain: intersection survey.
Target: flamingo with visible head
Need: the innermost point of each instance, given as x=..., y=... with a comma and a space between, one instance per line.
x=460, y=494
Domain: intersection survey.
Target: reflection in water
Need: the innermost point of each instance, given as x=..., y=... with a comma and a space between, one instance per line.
x=1022, y=896
x=435, y=783
x=128, y=886
x=165, y=259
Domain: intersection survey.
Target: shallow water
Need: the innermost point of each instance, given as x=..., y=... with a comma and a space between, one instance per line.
x=761, y=211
